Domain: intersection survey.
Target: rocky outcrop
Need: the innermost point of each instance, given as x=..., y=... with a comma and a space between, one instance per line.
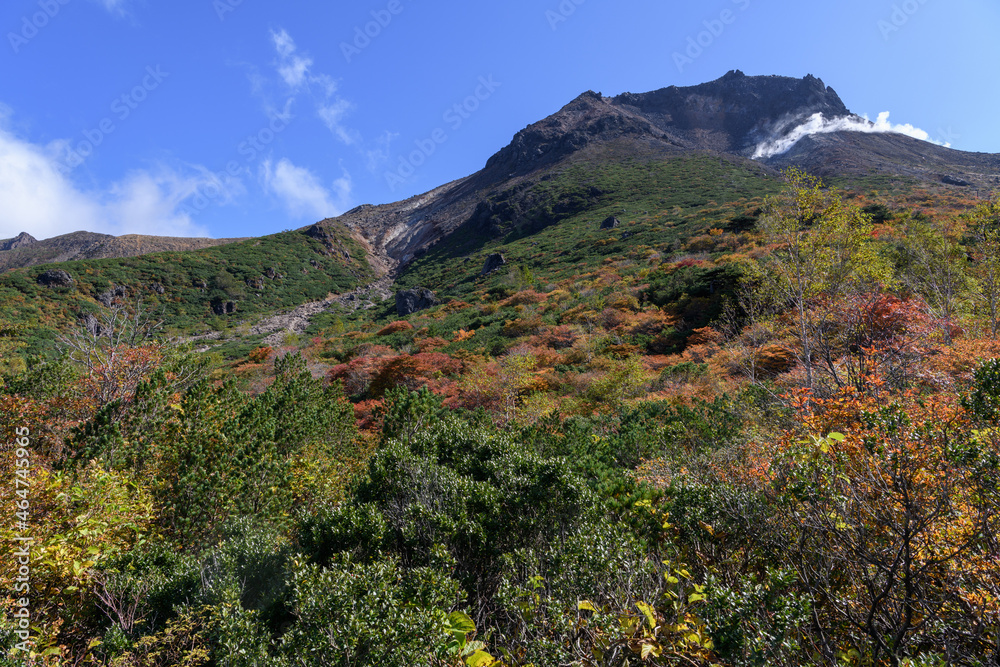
x=220, y=307
x=56, y=278
x=414, y=300
x=108, y=297
x=611, y=223
x=493, y=262
x=22, y=240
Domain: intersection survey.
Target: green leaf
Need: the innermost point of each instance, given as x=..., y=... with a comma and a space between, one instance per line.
x=459, y=622
x=651, y=649
x=649, y=613
x=480, y=659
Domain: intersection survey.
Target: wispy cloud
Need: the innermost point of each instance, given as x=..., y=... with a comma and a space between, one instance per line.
x=40, y=199
x=302, y=192
x=296, y=70
x=292, y=67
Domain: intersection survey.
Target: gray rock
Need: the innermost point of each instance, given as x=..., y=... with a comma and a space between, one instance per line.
x=948, y=179
x=56, y=278
x=223, y=307
x=22, y=240
x=413, y=300
x=108, y=297
x=158, y=288
x=93, y=327
x=611, y=223
x=493, y=262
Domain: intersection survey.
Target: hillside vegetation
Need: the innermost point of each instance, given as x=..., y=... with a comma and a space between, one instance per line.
x=755, y=424
x=188, y=290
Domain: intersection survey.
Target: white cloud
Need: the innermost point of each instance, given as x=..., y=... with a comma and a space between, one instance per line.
x=301, y=191
x=295, y=69
x=42, y=200
x=819, y=124
x=332, y=115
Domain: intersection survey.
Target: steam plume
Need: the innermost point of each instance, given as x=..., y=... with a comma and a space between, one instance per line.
x=818, y=124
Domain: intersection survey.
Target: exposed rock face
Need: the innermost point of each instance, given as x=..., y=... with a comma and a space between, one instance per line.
x=948, y=179
x=732, y=114
x=108, y=298
x=493, y=262
x=611, y=223
x=414, y=300
x=158, y=288
x=223, y=307
x=26, y=251
x=92, y=325
x=22, y=240
x=56, y=278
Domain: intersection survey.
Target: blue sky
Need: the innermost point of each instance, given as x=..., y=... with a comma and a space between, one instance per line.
x=246, y=117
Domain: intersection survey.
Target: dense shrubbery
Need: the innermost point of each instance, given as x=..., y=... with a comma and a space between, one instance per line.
x=575, y=473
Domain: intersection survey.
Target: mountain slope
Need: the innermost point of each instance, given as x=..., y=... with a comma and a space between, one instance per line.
x=730, y=116
x=25, y=250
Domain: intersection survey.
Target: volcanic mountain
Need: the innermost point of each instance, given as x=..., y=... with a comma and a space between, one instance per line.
x=730, y=117
x=25, y=250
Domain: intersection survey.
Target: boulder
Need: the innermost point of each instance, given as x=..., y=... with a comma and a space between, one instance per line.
x=611, y=223
x=948, y=179
x=92, y=325
x=413, y=300
x=108, y=297
x=223, y=307
x=493, y=262
x=56, y=278
x=158, y=288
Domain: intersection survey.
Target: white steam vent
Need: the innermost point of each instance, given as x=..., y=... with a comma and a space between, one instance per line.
x=818, y=124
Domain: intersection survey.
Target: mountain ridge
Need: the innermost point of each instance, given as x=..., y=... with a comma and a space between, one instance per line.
x=730, y=116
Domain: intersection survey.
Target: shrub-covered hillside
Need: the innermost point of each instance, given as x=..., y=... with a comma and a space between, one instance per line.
x=763, y=429
x=188, y=289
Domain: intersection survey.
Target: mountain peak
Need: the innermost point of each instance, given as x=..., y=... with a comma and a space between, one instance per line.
x=732, y=114
x=20, y=241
